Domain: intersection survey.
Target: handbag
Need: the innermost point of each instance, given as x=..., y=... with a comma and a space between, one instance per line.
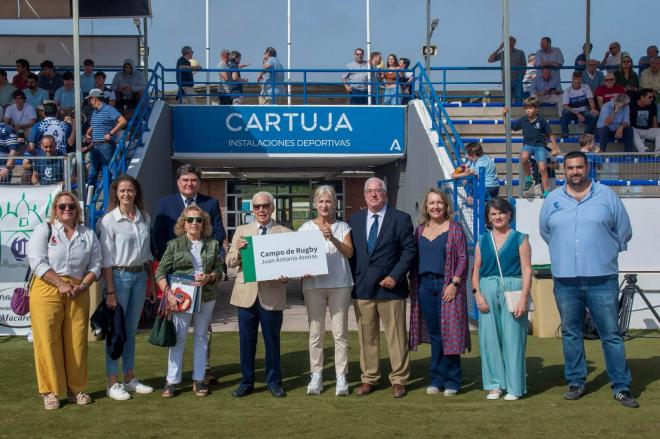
x=163, y=332
x=20, y=299
x=512, y=297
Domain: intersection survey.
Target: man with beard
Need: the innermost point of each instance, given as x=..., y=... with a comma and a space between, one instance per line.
x=585, y=226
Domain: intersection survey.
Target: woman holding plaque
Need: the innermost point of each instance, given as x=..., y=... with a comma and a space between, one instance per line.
x=502, y=262
x=332, y=290
x=194, y=253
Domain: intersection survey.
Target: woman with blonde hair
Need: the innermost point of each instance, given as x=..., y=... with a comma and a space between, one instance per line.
x=332, y=290
x=65, y=258
x=438, y=302
x=193, y=252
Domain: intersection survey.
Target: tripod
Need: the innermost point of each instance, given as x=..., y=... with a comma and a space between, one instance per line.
x=626, y=303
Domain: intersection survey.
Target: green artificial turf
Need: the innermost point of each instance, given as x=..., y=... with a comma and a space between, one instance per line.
x=542, y=413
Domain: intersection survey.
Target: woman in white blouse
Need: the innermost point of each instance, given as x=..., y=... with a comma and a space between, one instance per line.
x=126, y=265
x=65, y=257
x=332, y=291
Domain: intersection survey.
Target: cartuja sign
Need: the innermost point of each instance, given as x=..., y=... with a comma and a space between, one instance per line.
x=288, y=130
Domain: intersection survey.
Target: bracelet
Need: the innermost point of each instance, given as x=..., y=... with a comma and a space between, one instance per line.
x=84, y=284
x=109, y=293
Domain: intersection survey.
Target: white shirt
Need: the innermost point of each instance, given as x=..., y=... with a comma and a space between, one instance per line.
x=125, y=242
x=184, y=198
x=267, y=226
x=577, y=99
x=196, y=252
x=370, y=219
x=20, y=117
x=339, y=271
x=74, y=258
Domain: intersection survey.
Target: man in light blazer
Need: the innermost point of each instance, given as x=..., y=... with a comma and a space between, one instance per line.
x=385, y=249
x=258, y=302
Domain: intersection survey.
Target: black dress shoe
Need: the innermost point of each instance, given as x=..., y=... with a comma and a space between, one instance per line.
x=277, y=391
x=242, y=390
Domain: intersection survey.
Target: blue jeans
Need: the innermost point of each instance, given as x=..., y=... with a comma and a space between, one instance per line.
x=358, y=97
x=589, y=121
x=445, y=369
x=130, y=290
x=538, y=153
x=606, y=135
x=599, y=294
x=101, y=156
x=517, y=91
x=391, y=96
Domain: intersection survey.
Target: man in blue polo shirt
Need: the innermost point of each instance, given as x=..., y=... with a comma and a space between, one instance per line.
x=106, y=123
x=48, y=170
x=585, y=226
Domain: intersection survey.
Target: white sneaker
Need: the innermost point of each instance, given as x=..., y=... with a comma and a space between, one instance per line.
x=494, y=394
x=315, y=384
x=135, y=385
x=450, y=392
x=341, y=388
x=432, y=390
x=118, y=393
x=510, y=397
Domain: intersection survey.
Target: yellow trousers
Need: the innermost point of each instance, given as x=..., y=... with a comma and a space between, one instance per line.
x=59, y=328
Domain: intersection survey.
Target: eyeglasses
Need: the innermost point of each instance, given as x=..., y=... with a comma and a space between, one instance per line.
x=374, y=191
x=261, y=206
x=194, y=219
x=65, y=206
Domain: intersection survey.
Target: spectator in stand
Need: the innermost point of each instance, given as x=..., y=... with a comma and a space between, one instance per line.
x=65, y=96
x=581, y=59
x=645, y=61
x=550, y=57
x=22, y=71
x=578, y=104
x=518, y=67
x=407, y=79
x=593, y=77
x=587, y=144
x=8, y=148
x=6, y=89
x=61, y=130
x=355, y=82
x=49, y=79
x=644, y=120
x=612, y=58
x=614, y=123
x=20, y=115
x=108, y=95
x=87, y=77
x=391, y=79
x=536, y=132
x=47, y=171
x=271, y=78
x=34, y=95
x=626, y=77
x=184, y=76
x=477, y=159
x=547, y=89
x=651, y=78
x=236, y=82
x=223, y=79
x=375, y=63
x=106, y=124
x=128, y=86
x=608, y=90
x=530, y=74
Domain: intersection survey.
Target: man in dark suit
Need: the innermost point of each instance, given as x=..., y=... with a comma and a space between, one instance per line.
x=385, y=249
x=188, y=178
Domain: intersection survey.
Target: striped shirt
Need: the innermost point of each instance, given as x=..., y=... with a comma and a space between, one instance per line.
x=8, y=140
x=59, y=129
x=104, y=120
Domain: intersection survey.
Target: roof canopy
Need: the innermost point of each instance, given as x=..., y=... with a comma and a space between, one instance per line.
x=62, y=9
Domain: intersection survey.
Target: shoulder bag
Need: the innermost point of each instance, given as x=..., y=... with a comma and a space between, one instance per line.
x=20, y=299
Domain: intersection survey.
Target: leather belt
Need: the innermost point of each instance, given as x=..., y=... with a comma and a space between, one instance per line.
x=130, y=269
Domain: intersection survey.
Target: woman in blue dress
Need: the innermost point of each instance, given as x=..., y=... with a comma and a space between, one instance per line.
x=502, y=333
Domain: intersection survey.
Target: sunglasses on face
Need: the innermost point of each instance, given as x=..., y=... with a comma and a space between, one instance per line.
x=65, y=206
x=261, y=206
x=196, y=219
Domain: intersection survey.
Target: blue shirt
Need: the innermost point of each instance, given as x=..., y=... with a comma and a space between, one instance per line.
x=59, y=129
x=623, y=116
x=65, y=98
x=585, y=237
x=271, y=76
x=540, y=85
x=509, y=253
x=103, y=121
x=535, y=132
x=489, y=165
x=87, y=82
x=49, y=170
x=36, y=99
x=432, y=254
x=8, y=141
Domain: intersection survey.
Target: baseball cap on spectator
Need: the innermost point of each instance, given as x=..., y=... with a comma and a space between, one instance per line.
x=95, y=93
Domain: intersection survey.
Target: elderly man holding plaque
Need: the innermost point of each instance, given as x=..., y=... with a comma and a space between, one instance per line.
x=258, y=303
x=385, y=249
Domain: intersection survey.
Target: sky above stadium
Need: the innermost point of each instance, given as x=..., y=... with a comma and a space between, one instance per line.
x=326, y=32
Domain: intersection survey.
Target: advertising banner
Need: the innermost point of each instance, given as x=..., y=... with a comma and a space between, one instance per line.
x=22, y=208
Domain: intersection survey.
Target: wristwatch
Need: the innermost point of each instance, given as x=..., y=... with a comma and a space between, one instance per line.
x=454, y=283
x=474, y=291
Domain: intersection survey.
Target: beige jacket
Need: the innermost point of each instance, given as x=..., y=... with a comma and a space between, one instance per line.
x=272, y=293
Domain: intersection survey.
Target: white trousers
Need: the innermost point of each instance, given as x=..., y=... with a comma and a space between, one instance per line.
x=182, y=323
x=552, y=99
x=337, y=300
x=639, y=136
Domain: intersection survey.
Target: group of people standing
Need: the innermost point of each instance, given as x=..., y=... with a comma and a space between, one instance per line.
x=377, y=260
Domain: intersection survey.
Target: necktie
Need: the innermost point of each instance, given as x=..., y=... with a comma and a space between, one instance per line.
x=373, y=235
x=188, y=202
x=262, y=230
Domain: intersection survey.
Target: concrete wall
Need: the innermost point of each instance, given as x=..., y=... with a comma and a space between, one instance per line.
x=152, y=164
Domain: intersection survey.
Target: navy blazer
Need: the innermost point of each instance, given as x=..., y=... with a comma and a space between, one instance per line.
x=169, y=210
x=393, y=255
